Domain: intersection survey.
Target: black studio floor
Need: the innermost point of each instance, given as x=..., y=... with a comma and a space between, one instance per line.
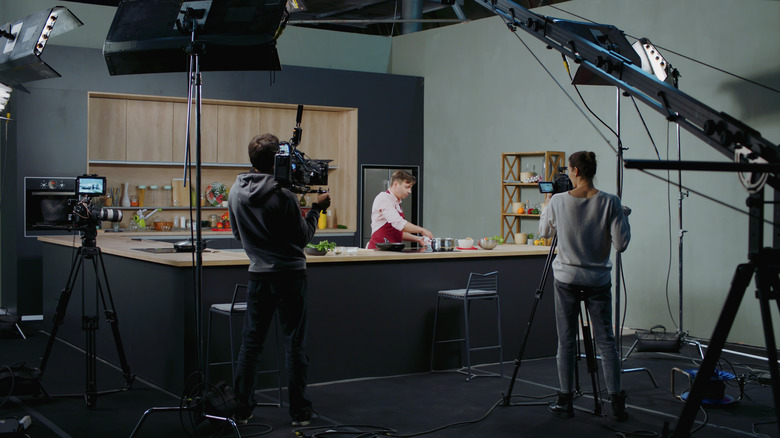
x=402, y=405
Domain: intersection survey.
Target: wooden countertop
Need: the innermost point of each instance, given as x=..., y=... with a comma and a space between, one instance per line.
x=132, y=246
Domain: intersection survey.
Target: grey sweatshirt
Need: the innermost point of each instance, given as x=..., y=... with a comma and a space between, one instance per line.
x=268, y=222
x=586, y=229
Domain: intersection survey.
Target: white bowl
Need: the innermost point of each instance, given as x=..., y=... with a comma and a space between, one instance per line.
x=465, y=243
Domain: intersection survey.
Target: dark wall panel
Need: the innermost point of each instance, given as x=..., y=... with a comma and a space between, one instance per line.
x=51, y=127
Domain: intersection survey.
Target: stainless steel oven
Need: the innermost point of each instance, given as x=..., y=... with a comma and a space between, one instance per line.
x=47, y=204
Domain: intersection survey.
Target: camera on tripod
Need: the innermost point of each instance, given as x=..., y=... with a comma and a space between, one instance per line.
x=85, y=215
x=560, y=183
x=295, y=172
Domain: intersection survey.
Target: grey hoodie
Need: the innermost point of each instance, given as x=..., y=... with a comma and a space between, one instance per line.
x=267, y=220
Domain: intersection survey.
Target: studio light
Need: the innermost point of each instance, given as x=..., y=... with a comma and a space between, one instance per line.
x=5, y=94
x=22, y=42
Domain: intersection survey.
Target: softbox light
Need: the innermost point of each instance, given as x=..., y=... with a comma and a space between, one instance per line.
x=24, y=40
x=236, y=35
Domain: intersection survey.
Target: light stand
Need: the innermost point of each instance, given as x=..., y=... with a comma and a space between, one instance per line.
x=238, y=36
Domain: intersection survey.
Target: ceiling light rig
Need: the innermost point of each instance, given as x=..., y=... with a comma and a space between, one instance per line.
x=22, y=43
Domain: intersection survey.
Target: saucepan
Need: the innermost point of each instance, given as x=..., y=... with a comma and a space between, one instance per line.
x=442, y=244
x=390, y=246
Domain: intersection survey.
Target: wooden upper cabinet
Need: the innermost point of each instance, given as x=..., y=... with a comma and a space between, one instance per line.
x=209, y=130
x=236, y=127
x=107, y=129
x=149, y=130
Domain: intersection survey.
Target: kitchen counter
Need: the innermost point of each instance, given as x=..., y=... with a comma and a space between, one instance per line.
x=136, y=246
x=370, y=314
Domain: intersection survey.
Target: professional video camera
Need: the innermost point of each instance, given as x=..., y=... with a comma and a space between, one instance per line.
x=293, y=171
x=561, y=183
x=84, y=214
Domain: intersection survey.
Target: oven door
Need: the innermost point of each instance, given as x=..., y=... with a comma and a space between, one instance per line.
x=48, y=203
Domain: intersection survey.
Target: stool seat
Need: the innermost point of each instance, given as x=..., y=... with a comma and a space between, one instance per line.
x=461, y=293
x=479, y=287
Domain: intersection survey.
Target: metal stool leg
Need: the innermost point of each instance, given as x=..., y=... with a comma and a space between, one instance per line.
x=500, y=341
x=435, y=320
x=467, y=337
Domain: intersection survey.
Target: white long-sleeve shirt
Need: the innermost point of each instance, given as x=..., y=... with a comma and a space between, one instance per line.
x=386, y=209
x=586, y=228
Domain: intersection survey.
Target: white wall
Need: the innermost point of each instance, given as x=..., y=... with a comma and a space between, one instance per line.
x=485, y=94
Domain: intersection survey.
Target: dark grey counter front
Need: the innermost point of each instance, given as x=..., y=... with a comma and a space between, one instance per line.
x=366, y=318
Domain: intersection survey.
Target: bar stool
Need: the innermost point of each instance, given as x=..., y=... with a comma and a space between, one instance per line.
x=479, y=287
x=237, y=306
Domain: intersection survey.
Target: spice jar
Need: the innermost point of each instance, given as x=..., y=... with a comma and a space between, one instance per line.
x=141, y=196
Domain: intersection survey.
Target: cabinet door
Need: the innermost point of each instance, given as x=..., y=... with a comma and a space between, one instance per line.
x=107, y=129
x=237, y=125
x=209, y=131
x=149, y=131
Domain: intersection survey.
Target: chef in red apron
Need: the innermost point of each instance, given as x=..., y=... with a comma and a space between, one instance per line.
x=387, y=217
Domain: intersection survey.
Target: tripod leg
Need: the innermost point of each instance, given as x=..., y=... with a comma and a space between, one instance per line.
x=539, y=292
x=765, y=293
x=590, y=358
x=90, y=325
x=739, y=283
x=62, y=307
x=111, y=318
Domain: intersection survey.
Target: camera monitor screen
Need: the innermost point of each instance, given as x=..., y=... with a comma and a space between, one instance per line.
x=546, y=186
x=92, y=185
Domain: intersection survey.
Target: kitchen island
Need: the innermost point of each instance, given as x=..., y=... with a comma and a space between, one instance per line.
x=370, y=313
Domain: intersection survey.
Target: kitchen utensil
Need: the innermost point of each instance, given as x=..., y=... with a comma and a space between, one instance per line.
x=390, y=246
x=186, y=245
x=140, y=219
x=487, y=243
x=442, y=244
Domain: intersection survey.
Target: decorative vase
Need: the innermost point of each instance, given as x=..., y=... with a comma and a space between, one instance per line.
x=126, y=195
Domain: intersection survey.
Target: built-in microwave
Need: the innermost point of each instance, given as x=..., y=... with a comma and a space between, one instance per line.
x=48, y=202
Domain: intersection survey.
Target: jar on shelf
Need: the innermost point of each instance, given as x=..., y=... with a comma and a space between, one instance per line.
x=167, y=196
x=141, y=192
x=153, y=196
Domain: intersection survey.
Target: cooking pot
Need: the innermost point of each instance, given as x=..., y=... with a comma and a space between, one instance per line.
x=441, y=244
x=390, y=246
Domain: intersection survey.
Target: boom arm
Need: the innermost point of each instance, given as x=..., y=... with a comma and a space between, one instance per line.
x=604, y=50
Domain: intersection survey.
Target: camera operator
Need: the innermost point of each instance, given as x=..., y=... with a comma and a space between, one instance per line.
x=588, y=222
x=267, y=219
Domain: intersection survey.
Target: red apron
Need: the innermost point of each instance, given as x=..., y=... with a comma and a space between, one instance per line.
x=386, y=232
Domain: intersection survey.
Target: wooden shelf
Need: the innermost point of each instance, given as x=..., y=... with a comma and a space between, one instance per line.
x=512, y=186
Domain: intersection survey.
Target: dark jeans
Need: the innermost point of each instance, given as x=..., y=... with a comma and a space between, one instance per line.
x=598, y=301
x=288, y=296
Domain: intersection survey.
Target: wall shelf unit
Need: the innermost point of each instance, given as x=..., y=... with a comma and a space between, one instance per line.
x=516, y=167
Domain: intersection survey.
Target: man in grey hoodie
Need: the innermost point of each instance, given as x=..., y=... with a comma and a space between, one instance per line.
x=267, y=219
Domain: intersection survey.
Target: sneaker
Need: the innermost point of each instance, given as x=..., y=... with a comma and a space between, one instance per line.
x=564, y=405
x=619, y=406
x=307, y=417
x=241, y=416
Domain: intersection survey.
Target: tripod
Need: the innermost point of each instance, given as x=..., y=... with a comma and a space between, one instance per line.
x=89, y=322
x=585, y=328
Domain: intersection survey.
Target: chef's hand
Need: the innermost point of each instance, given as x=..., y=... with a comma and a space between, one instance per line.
x=323, y=202
x=626, y=211
x=426, y=233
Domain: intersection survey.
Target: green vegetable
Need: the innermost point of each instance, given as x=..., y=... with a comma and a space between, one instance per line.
x=324, y=245
x=498, y=239
x=341, y=227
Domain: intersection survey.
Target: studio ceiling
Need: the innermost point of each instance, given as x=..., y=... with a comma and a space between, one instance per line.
x=379, y=17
